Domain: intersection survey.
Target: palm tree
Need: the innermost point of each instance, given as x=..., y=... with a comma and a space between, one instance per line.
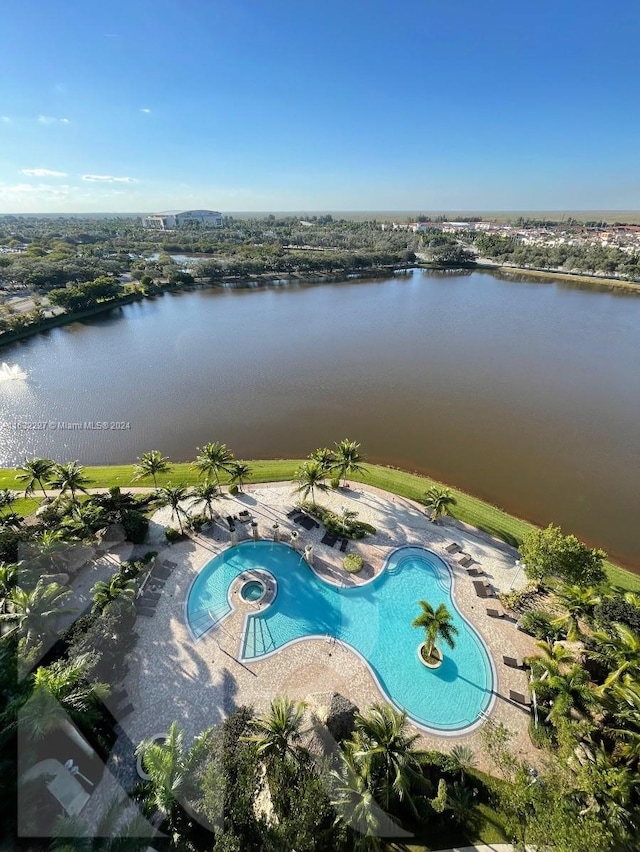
x=437, y=625
x=356, y=806
x=35, y=471
x=173, y=771
x=622, y=703
x=206, y=493
x=579, y=603
x=619, y=651
x=554, y=658
x=7, y=498
x=278, y=734
x=151, y=464
x=118, y=587
x=385, y=748
x=439, y=502
x=461, y=759
x=56, y=693
x=212, y=458
x=566, y=692
x=239, y=471
x=8, y=580
x=348, y=459
x=325, y=456
x=172, y=496
x=309, y=476
x=35, y=612
x=69, y=478
x=73, y=834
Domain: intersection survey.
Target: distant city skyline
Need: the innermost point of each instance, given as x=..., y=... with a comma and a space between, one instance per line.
x=143, y=106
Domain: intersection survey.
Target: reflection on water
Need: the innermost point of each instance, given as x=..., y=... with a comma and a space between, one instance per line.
x=527, y=395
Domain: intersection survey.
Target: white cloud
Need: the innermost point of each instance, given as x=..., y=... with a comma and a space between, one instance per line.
x=43, y=173
x=38, y=190
x=108, y=179
x=50, y=119
x=146, y=110
x=5, y=119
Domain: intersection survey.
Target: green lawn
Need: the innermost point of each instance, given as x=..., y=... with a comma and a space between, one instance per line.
x=469, y=509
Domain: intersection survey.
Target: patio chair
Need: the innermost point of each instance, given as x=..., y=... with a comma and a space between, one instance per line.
x=519, y=698
x=495, y=613
x=343, y=545
x=454, y=547
x=480, y=588
x=465, y=560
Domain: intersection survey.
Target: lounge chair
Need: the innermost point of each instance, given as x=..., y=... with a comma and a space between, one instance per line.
x=328, y=539
x=170, y=565
x=343, y=545
x=293, y=512
x=454, y=547
x=474, y=572
x=495, y=613
x=465, y=560
x=519, y=698
x=481, y=589
x=512, y=662
x=160, y=573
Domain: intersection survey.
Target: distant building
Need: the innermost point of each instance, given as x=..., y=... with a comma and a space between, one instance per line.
x=175, y=218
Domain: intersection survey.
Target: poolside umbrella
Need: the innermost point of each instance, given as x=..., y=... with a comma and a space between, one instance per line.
x=294, y=539
x=308, y=554
x=254, y=530
x=276, y=531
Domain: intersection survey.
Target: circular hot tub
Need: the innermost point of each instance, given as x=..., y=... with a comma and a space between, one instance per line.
x=252, y=591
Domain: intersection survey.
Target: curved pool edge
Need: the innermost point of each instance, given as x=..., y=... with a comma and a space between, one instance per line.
x=440, y=732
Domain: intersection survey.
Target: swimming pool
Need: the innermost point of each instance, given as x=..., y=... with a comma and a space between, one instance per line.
x=373, y=619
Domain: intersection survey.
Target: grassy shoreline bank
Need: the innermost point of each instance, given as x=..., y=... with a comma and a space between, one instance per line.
x=605, y=283
x=468, y=509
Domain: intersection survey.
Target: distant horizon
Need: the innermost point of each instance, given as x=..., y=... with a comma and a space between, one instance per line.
x=349, y=213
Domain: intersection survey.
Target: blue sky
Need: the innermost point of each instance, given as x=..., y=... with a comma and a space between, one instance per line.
x=134, y=105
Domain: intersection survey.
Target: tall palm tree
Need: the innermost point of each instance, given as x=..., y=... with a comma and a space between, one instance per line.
x=439, y=502
x=172, y=496
x=355, y=805
x=385, y=748
x=35, y=471
x=151, y=464
x=117, y=587
x=309, y=476
x=173, y=771
x=618, y=650
x=325, y=456
x=579, y=603
x=622, y=705
x=213, y=458
x=437, y=625
x=34, y=612
x=69, y=478
x=567, y=691
x=278, y=734
x=239, y=472
x=111, y=834
x=348, y=459
x=55, y=693
x=206, y=493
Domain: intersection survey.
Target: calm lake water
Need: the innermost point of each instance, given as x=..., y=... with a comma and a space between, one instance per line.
x=525, y=394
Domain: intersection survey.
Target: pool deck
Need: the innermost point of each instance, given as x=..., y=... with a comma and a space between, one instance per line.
x=199, y=683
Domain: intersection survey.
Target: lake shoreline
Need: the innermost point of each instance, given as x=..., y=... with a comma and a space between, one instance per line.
x=470, y=511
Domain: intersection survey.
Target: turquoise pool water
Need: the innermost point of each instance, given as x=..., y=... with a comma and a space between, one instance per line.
x=375, y=620
x=252, y=591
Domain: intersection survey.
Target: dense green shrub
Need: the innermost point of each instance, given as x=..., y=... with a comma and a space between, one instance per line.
x=352, y=563
x=135, y=526
x=541, y=736
x=233, y=489
x=617, y=610
x=335, y=482
x=172, y=535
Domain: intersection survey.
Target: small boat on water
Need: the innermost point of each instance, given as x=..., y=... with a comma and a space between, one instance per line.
x=10, y=373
